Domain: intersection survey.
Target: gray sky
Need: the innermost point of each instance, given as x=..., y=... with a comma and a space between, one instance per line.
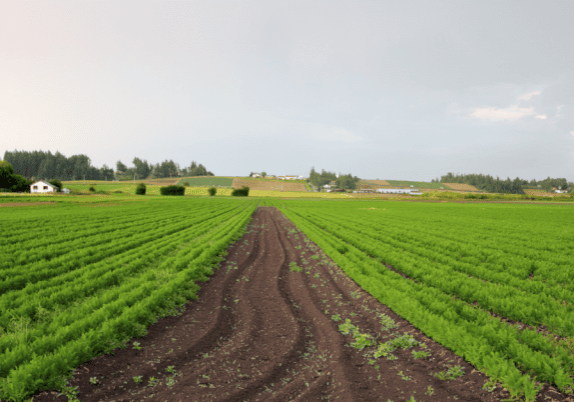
x=404, y=90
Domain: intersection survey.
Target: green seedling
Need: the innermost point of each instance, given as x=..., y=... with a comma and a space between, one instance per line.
x=294, y=267
x=420, y=355
x=170, y=369
x=138, y=379
x=384, y=349
x=451, y=373
x=137, y=346
x=387, y=322
x=489, y=386
x=404, y=377
x=362, y=341
x=94, y=380
x=347, y=327
x=336, y=317
x=405, y=341
x=429, y=391
x=153, y=382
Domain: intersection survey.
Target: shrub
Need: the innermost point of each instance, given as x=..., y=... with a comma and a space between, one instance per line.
x=240, y=192
x=56, y=183
x=172, y=190
x=93, y=190
x=212, y=191
x=141, y=189
x=186, y=184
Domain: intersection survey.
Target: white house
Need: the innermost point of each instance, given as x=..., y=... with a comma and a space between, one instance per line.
x=42, y=187
x=413, y=191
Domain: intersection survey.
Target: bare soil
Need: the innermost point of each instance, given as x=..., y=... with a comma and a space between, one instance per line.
x=272, y=185
x=260, y=331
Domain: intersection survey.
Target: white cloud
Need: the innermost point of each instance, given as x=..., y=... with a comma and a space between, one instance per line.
x=558, y=110
x=511, y=113
x=541, y=116
x=572, y=132
x=529, y=95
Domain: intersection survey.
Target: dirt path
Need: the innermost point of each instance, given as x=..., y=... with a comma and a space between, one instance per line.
x=262, y=332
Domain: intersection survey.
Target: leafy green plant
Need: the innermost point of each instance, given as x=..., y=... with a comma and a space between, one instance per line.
x=384, y=349
x=347, y=327
x=423, y=354
x=387, y=322
x=405, y=341
x=336, y=317
x=138, y=379
x=452, y=373
x=362, y=341
x=430, y=390
x=212, y=191
x=136, y=346
x=94, y=380
x=153, y=382
x=294, y=268
x=170, y=369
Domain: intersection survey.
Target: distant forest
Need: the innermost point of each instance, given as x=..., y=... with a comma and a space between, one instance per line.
x=40, y=165
x=516, y=186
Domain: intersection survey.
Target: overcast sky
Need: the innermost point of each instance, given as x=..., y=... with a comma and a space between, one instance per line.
x=403, y=90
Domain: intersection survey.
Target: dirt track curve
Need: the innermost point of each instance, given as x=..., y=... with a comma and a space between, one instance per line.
x=262, y=332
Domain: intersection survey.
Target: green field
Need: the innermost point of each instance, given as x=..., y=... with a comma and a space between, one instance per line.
x=465, y=267
x=208, y=181
x=492, y=282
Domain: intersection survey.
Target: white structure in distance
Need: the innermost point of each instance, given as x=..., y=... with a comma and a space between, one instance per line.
x=42, y=187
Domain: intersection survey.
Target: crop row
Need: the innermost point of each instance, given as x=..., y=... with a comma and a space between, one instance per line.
x=450, y=299
x=69, y=317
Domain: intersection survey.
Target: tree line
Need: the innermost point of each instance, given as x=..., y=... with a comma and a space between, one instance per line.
x=516, y=186
x=40, y=165
x=168, y=168
x=343, y=182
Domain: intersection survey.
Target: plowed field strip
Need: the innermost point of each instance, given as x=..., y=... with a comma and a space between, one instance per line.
x=264, y=329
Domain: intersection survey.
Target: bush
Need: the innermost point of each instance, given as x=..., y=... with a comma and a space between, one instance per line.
x=172, y=190
x=212, y=190
x=140, y=189
x=56, y=183
x=93, y=190
x=240, y=192
x=186, y=184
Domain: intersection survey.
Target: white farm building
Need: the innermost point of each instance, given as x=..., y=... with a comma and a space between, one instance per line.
x=413, y=191
x=42, y=187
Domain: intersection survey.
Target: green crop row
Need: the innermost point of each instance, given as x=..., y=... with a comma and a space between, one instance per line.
x=448, y=288
x=57, y=321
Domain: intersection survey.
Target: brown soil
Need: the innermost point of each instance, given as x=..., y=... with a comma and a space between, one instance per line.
x=262, y=332
x=25, y=204
x=263, y=185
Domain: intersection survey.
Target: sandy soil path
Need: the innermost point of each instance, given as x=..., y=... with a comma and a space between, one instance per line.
x=262, y=332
